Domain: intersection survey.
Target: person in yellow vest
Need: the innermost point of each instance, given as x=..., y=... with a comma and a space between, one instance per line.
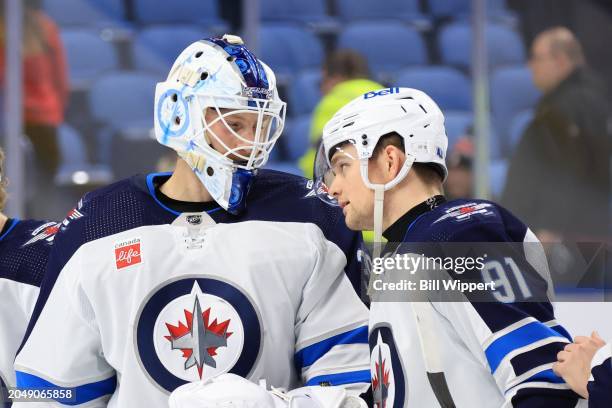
x=344, y=77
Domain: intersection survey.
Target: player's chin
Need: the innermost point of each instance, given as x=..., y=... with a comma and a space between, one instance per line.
x=353, y=221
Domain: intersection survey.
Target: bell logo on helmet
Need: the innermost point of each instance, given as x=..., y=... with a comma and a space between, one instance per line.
x=387, y=91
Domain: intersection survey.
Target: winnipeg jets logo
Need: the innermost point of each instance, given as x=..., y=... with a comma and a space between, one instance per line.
x=380, y=380
x=195, y=328
x=389, y=385
x=466, y=211
x=198, y=340
x=44, y=232
x=317, y=188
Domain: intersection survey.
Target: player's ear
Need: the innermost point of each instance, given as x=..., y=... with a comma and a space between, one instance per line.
x=394, y=159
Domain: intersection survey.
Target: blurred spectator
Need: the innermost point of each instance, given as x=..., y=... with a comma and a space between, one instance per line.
x=344, y=77
x=460, y=181
x=45, y=87
x=558, y=179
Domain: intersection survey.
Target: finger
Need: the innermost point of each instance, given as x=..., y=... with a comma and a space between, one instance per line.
x=562, y=356
x=581, y=339
x=557, y=368
x=598, y=340
x=571, y=347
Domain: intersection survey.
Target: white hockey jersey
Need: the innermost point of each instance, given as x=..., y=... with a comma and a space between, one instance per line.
x=136, y=314
x=487, y=354
x=24, y=249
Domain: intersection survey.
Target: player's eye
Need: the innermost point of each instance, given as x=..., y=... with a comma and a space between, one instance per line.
x=343, y=167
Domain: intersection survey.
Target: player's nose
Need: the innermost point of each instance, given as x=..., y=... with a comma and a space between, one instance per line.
x=334, y=188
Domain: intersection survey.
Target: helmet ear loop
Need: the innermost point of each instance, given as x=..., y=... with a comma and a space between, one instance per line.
x=379, y=197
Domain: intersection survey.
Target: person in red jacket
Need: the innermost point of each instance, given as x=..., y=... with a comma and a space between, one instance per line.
x=45, y=86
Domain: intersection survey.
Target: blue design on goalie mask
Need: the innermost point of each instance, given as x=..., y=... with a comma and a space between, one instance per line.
x=176, y=123
x=251, y=69
x=241, y=184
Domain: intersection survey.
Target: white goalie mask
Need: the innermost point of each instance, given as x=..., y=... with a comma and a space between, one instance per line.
x=221, y=76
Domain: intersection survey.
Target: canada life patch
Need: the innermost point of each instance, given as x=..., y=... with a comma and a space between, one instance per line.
x=128, y=253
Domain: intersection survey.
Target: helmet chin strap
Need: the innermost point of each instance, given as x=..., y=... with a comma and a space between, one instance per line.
x=379, y=198
x=379, y=204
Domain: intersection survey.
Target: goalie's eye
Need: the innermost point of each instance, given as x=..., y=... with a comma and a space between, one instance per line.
x=234, y=125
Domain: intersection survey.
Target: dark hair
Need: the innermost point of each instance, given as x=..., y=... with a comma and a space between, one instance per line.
x=346, y=63
x=428, y=172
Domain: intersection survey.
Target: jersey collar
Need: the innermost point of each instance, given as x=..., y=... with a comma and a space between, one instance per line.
x=8, y=227
x=397, y=230
x=155, y=180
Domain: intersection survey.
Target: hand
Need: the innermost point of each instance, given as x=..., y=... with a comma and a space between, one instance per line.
x=574, y=362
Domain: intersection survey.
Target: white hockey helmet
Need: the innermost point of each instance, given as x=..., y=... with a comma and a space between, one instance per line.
x=410, y=113
x=220, y=74
x=407, y=112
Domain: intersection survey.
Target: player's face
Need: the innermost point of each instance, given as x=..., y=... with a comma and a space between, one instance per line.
x=239, y=133
x=356, y=200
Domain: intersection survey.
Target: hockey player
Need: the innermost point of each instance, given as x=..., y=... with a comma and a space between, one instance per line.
x=24, y=248
x=382, y=160
x=132, y=324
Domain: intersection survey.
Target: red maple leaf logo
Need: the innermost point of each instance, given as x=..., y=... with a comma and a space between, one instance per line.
x=183, y=329
x=51, y=230
x=466, y=210
x=385, y=380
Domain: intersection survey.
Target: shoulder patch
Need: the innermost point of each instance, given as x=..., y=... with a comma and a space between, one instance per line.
x=46, y=232
x=466, y=211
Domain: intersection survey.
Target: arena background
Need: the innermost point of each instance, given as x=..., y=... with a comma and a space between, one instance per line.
x=470, y=56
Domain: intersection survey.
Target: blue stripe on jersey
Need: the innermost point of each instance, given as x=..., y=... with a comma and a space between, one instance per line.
x=545, y=376
x=80, y=395
x=308, y=355
x=8, y=231
x=521, y=337
x=561, y=330
x=351, y=377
